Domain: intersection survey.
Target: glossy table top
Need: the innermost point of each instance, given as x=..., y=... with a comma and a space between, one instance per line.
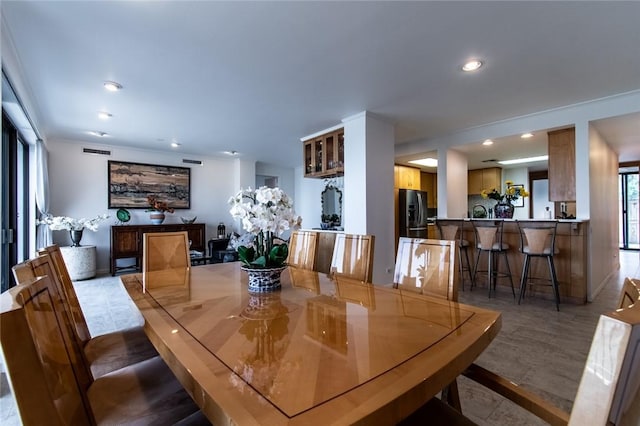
x=318, y=350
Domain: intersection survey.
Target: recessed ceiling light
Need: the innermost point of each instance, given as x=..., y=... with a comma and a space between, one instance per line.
x=472, y=65
x=112, y=86
x=525, y=160
x=487, y=142
x=427, y=162
x=99, y=134
x=230, y=152
x=103, y=115
x=175, y=144
x=526, y=135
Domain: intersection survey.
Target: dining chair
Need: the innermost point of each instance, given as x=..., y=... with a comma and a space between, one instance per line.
x=538, y=240
x=452, y=229
x=489, y=240
x=353, y=256
x=103, y=353
x=44, y=366
x=165, y=250
x=630, y=293
x=303, y=247
x=609, y=389
x=428, y=267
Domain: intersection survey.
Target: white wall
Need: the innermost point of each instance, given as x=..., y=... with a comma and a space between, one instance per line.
x=519, y=176
x=452, y=184
x=78, y=185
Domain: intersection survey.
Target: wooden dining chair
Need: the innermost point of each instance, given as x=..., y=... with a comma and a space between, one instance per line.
x=630, y=293
x=353, y=256
x=609, y=389
x=303, y=246
x=43, y=363
x=428, y=267
x=103, y=353
x=165, y=250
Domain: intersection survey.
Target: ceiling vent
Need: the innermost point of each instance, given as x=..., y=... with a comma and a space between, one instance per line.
x=95, y=151
x=187, y=161
x=492, y=160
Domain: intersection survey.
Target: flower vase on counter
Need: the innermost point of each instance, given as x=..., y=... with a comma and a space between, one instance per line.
x=76, y=236
x=157, y=217
x=503, y=210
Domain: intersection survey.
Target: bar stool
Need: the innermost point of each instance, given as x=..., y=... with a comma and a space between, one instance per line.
x=538, y=239
x=489, y=240
x=451, y=229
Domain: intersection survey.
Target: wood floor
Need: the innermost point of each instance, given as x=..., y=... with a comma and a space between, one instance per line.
x=539, y=348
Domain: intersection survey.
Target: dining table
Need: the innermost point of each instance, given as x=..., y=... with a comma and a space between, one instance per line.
x=321, y=350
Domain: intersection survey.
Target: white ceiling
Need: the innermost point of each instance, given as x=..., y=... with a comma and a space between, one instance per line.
x=255, y=77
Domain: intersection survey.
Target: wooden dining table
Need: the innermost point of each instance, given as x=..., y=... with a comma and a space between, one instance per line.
x=319, y=351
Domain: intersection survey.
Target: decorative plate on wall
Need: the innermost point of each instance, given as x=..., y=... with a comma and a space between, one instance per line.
x=123, y=215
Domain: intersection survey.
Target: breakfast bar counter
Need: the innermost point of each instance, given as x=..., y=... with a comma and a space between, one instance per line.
x=570, y=261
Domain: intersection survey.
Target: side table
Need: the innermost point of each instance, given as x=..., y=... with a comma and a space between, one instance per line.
x=80, y=261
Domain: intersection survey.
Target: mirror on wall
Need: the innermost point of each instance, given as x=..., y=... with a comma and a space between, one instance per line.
x=331, y=207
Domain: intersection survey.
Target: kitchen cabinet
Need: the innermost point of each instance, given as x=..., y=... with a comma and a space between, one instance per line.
x=127, y=240
x=407, y=177
x=480, y=179
x=429, y=183
x=562, y=165
x=324, y=155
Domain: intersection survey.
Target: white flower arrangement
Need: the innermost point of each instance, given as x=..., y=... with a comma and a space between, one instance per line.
x=265, y=213
x=62, y=223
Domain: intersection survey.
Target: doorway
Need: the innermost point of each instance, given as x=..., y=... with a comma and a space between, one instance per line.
x=629, y=219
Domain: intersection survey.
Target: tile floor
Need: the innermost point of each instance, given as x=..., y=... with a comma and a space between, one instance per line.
x=539, y=348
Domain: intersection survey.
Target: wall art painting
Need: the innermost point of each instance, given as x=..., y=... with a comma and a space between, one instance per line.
x=131, y=183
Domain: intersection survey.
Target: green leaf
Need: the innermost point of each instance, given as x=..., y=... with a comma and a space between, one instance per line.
x=278, y=254
x=246, y=254
x=261, y=262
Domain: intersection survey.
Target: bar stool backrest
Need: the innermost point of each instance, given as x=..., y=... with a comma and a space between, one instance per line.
x=450, y=229
x=538, y=237
x=488, y=233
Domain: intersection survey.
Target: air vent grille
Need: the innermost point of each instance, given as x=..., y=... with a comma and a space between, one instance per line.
x=95, y=151
x=492, y=160
x=187, y=161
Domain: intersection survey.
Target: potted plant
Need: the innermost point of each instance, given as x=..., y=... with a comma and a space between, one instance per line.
x=157, y=209
x=266, y=213
x=74, y=226
x=504, y=207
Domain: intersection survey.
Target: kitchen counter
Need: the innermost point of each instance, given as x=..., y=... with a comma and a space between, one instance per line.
x=570, y=262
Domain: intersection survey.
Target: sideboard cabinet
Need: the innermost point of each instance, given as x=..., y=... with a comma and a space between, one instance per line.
x=126, y=241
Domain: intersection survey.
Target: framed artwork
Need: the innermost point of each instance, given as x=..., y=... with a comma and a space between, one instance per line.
x=131, y=183
x=518, y=202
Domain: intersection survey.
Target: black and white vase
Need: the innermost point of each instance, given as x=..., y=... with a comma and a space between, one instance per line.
x=503, y=210
x=264, y=280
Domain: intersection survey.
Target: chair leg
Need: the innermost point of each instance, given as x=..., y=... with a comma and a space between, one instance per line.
x=523, y=280
x=554, y=281
x=461, y=267
x=490, y=271
x=475, y=269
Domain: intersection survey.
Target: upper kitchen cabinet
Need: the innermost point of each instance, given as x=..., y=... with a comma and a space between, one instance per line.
x=480, y=179
x=324, y=155
x=562, y=165
x=407, y=177
x=429, y=183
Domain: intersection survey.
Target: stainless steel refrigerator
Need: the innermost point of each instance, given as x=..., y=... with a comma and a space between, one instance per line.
x=412, y=213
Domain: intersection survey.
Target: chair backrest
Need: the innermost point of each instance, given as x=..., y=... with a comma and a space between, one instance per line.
x=609, y=390
x=165, y=250
x=303, y=246
x=428, y=267
x=50, y=259
x=353, y=256
x=630, y=294
x=450, y=229
x=23, y=272
x=488, y=233
x=538, y=237
x=43, y=361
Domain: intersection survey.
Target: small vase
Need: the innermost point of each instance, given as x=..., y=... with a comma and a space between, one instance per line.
x=264, y=280
x=503, y=210
x=157, y=218
x=76, y=236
